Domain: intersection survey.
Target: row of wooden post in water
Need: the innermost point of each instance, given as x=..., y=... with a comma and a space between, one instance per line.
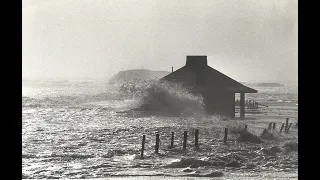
x=271, y=127
x=286, y=126
x=248, y=103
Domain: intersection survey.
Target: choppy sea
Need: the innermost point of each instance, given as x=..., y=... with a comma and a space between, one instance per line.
x=75, y=129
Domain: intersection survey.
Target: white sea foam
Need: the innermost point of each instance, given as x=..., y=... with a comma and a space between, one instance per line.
x=72, y=130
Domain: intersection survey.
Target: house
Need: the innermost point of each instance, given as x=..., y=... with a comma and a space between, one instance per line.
x=217, y=89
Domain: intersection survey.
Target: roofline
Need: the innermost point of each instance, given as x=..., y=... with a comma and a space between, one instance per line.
x=163, y=78
x=235, y=90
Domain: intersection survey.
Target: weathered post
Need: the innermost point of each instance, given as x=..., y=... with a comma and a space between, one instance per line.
x=142, y=148
x=282, y=126
x=157, y=144
x=242, y=106
x=270, y=126
x=185, y=136
x=245, y=127
x=172, y=139
x=274, y=126
x=287, y=123
x=196, y=137
x=287, y=131
x=225, y=135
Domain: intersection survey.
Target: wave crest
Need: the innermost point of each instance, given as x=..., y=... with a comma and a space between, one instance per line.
x=169, y=98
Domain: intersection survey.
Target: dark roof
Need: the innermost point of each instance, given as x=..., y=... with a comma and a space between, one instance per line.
x=198, y=75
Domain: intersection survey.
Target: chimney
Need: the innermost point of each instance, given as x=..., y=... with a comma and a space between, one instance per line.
x=196, y=63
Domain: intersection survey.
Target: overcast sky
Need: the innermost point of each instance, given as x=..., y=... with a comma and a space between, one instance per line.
x=248, y=40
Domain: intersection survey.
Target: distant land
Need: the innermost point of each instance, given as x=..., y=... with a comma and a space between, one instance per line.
x=264, y=84
x=270, y=84
x=137, y=76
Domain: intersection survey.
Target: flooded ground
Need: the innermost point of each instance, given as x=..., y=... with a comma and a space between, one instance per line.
x=78, y=131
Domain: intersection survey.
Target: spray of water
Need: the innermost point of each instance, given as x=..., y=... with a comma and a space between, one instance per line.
x=165, y=98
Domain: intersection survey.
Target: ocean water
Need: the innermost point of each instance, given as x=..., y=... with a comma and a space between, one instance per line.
x=85, y=129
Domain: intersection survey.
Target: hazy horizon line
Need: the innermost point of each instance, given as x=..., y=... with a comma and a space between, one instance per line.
x=107, y=79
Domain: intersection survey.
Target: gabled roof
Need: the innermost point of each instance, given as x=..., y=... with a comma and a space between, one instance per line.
x=205, y=77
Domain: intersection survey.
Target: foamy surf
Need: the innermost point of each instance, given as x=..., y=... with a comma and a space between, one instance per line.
x=167, y=98
x=186, y=162
x=76, y=133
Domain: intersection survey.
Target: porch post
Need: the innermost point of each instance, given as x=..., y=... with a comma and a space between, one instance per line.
x=242, y=105
x=233, y=106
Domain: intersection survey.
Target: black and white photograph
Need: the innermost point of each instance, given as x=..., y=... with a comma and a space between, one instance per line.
x=160, y=89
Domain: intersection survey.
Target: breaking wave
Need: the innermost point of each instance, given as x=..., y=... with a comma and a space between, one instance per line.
x=159, y=98
x=166, y=98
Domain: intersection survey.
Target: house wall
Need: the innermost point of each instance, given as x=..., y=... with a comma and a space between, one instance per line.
x=220, y=103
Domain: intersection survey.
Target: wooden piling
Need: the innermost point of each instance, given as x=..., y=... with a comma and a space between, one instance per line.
x=287, y=123
x=142, y=148
x=288, y=128
x=274, y=126
x=225, y=135
x=157, y=143
x=282, y=126
x=196, y=137
x=270, y=126
x=246, y=128
x=172, y=139
x=185, y=136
